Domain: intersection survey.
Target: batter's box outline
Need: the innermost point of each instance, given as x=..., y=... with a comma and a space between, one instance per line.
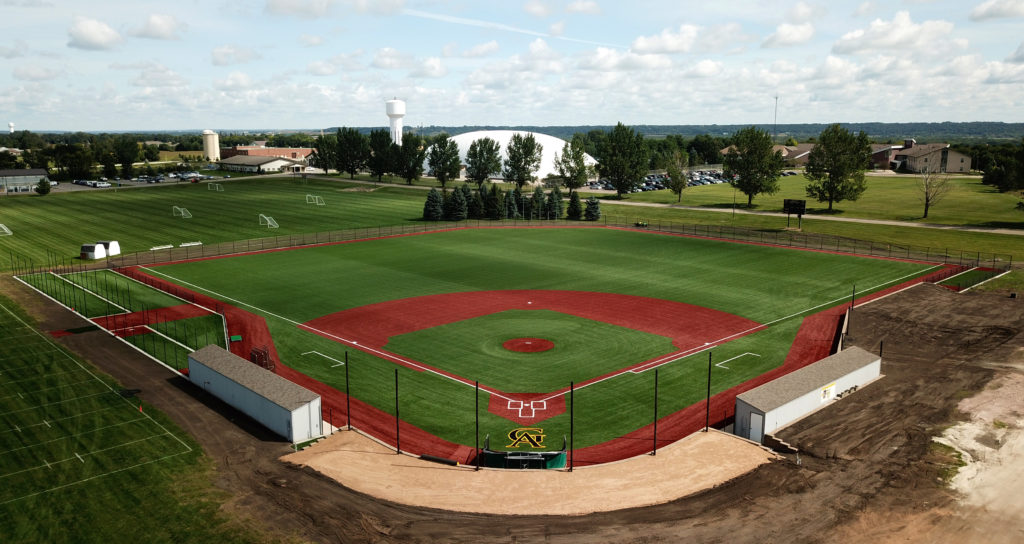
x=533, y=406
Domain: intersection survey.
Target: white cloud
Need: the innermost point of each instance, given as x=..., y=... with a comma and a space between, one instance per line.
x=604, y=58
x=348, y=62
x=86, y=33
x=310, y=40
x=999, y=72
x=35, y=73
x=901, y=32
x=226, y=55
x=584, y=6
x=803, y=12
x=668, y=41
x=158, y=75
x=537, y=8
x=390, y=58
x=557, y=29
x=430, y=67
x=1018, y=55
x=19, y=50
x=236, y=81
x=160, y=27
x=865, y=8
x=378, y=7
x=299, y=8
x=788, y=34
x=481, y=49
x=705, y=68
x=997, y=9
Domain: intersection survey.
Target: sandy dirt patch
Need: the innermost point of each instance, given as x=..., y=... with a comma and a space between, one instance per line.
x=698, y=462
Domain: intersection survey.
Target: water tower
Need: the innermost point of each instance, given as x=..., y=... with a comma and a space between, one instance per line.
x=211, y=145
x=396, y=111
x=11, y=126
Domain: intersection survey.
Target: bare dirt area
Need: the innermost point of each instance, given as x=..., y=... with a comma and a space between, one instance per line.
x=869, y=470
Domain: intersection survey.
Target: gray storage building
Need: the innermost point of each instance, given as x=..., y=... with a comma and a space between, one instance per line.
x=766, y=408
x=286, y=408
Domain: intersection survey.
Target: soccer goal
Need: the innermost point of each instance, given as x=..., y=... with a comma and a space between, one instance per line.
x=314, y=199
x=268, y=221
x=4, y=231
x=179, y=211
x=215, y=187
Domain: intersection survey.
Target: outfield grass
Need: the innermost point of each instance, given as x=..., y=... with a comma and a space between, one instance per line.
x=761, y=283
x=81, y=463
x=896, y=198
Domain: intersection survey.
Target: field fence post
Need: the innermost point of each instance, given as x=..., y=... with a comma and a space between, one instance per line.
x=654, y=450
x=572, y=425
x=398, y=436
x=348, y=396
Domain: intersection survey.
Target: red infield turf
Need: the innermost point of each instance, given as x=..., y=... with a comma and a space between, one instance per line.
x=528, y=345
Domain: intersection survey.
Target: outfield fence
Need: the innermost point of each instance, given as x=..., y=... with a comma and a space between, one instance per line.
x=784, y=238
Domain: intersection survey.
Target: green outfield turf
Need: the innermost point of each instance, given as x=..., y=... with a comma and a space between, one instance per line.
x=764, y=284
x=80, y=462
x=473, y=347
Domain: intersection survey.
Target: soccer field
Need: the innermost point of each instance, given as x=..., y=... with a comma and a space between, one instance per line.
x=372, y=303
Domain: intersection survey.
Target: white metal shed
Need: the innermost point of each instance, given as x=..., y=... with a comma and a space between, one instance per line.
x=286, y=408
x=769, y=407
x=93, y=251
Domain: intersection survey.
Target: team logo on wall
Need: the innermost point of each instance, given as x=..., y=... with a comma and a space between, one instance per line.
x=526, y=436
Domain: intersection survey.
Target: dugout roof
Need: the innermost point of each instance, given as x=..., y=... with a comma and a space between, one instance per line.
x=259, y=380
x=784, y=389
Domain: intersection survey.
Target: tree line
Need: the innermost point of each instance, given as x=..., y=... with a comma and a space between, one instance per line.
x=487, y=201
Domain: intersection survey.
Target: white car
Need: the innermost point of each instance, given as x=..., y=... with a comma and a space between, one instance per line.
x=101, y=184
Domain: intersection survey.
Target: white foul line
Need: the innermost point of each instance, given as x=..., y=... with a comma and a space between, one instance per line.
x=340, y=363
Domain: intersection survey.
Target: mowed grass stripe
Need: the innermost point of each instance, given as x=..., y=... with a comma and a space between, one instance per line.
x=757, y=282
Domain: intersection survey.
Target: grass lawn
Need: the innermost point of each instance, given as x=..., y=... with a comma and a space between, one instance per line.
x=761, y=283
x=81, y=463
x=895, y=198
x=473, y=347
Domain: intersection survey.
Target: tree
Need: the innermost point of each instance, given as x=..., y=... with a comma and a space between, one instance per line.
x=836, y=165
x=752, y=164
x=36, y=159
x=325, y=152
x=353, y=151
x=482, y=160
x=109, y=162
x=554, y=208
x=932, y=186
x=43, y=187
x=571, y=164
x=456, y=206
x=537, y=204
x=433, y=209
x=494, y=206
x=575, y=210
x=8, y=161
x=515, y=206
x=444, y=159
x=410, y=157
x=593, y=209
x=151, y=153
x=705, y=149
x=623, y=159
x=380, y=161
x=126, y=149
x=677, y=179
x=522, y=159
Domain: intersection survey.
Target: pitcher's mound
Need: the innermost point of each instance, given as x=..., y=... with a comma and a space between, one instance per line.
x=528, y=345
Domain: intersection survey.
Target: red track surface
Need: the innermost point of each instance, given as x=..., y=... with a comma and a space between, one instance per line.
x=149, y=317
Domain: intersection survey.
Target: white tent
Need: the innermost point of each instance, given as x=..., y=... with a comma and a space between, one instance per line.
x=93, y=251
x=111, y=246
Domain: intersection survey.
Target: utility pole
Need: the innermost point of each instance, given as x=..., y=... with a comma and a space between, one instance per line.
x=775, y=123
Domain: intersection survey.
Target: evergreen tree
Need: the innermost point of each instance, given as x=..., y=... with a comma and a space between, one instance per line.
x=575, y=211
x=499, y=203
x=593, y=211
x=43, y=187
x=491, y=204
x=455, y=206
x=554, y=207
x=512, y=200
x=537, y=208
x=475, y=204
x=433, y=209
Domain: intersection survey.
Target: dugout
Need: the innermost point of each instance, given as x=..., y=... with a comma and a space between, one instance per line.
x=286, y=408
x=771, y=406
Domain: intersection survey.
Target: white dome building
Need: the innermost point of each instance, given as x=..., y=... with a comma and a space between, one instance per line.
x=550, y=147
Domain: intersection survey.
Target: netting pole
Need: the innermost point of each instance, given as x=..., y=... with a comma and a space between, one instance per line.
x=707, y=403
x=398, y=438
x=348, y=397
x=477, y=433
x=654, y=451
x=572, y=426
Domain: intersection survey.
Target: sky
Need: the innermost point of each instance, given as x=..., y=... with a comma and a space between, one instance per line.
x=111, y=65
